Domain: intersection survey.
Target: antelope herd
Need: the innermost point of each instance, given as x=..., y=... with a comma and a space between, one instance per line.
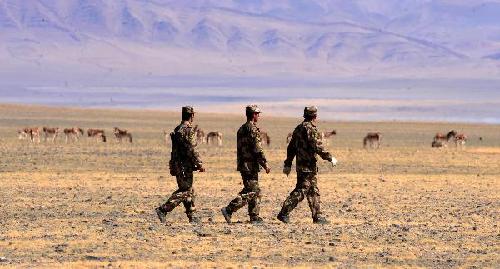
x=371, y=140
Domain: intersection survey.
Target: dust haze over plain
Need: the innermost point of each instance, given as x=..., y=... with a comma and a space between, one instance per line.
x=357, y=60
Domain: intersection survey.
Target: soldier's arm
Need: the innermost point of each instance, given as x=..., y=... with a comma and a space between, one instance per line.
x=317, y=144
x=191, y=148
x=258, y=151
x=291, y=150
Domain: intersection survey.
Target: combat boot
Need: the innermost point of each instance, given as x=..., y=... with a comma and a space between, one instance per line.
x=161, y=215
x=283, y=218
x=256, y=220
x=226, y=214
x=320, y=220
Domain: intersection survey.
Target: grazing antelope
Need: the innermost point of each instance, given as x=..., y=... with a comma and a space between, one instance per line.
x=50, y=132
x=200, y=135
x=120, y=134
x=32, y=132
x=373, y=139
x=97, y=133
x=265, y=138
x=73, y=133
x=445, y=138
x=214, y=137
x=324, y=136
x=289, y=138
x=460, y=140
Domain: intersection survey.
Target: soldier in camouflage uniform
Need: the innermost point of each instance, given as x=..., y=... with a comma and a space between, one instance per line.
x=304, y=145
x=183, y=161
x=250, y=157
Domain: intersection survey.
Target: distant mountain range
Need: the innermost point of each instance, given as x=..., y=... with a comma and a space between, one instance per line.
x=66, y=40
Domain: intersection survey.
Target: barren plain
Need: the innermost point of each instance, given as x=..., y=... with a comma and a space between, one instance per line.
x=89, y=204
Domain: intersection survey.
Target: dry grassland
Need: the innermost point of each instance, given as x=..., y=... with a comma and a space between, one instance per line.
x=90, y=204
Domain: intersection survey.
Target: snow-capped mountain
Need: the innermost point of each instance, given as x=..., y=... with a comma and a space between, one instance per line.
x=248, y=38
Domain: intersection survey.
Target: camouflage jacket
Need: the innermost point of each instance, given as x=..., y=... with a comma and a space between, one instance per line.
x=250, y=155
x=305, y=144
x=184, y=154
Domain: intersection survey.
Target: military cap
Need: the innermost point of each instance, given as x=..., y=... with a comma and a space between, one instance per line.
x=187, y=110
x=252, y=109
x=310, y=111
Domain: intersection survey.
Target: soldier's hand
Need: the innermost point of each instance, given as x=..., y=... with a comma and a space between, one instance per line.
x=287, y=170
x=268, y=170
x=201, y=169
x=333, y=162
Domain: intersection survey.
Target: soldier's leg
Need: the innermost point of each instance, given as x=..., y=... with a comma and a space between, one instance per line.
x=179, y=196
x=297, y=195
x=313, y=196
x=185, y=183
x=173, y=201
x=252, y=184
x=245, y=195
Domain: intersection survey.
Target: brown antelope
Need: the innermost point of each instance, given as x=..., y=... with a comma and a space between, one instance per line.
x=73, y=133
x=32, y=132
x=214, y=137
x=200, y=135
x=50, y=132
x=445, y=138
x=324, y=136
x=373, y=139
x=289, y=138
x=265, y=138
x=460, y=140
x=97, y=133
x=120, y=134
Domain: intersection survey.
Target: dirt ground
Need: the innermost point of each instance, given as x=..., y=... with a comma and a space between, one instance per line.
x=89, y=204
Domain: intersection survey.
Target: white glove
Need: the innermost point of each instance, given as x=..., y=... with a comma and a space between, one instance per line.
x=333, y=162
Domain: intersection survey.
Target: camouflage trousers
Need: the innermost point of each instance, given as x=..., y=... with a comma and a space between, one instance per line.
x=250, y=194
x=184, y=194
x=307, y=186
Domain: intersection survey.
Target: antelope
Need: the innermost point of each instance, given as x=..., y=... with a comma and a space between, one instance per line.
x=120, y=134
x=324, y=136
x=264, y=137
x=32, y=132
x=97, y=133
x=373, y=139
x=449, y=136
x=53, y=132
x=214, y=137
x=460, y=140
x=200, y=135
x=73, y=133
